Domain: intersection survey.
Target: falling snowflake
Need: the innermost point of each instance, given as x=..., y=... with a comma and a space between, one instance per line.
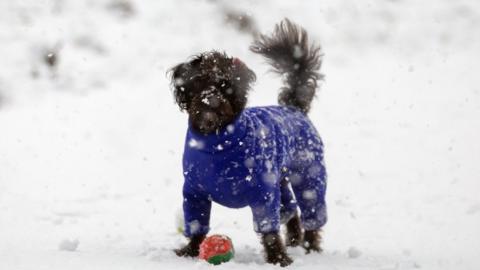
x=196, y=144
x=268, y=165
x=194, y=226
x=249, y=162
x=295, y=179
x=179, y=81
x=269, y=178
x=310, y=195
x=297, y=52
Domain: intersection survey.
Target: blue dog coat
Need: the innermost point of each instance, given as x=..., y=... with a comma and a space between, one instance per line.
x=244, y=164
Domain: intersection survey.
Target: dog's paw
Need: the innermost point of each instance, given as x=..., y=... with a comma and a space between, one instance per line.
x=282, y=259
x=312, y=241
x=192, y=249
x=309, y=248
x=275, y=252
x=294, y=235
x=187, y=251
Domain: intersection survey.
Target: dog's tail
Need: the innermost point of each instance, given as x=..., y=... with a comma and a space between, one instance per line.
x=288, y=51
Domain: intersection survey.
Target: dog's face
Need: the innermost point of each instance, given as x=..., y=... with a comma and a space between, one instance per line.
x=212, y=88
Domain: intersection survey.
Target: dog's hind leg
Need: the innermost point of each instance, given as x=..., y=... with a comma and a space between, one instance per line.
x=275, y=250
x=288, y=204
x=289, y=215
x=265, y=207
x=309, y=186
x=294, y=235
x=312, y=240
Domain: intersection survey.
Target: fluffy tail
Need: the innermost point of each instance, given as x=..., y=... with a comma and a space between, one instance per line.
x=288, y=51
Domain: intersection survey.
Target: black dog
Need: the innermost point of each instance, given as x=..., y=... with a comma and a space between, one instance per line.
x=213, y=89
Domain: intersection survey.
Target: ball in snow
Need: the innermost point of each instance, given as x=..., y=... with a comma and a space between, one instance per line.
x=68, y=245
x=217, y=249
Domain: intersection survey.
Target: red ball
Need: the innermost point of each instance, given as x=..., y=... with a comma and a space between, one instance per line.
x=216, y=249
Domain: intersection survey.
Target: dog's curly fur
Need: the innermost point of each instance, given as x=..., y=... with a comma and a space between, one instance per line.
x=213, y=88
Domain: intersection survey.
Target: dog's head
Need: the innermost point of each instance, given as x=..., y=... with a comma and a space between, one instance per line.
x=212, y=88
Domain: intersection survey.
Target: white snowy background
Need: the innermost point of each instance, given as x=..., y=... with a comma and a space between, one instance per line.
x=90, y=149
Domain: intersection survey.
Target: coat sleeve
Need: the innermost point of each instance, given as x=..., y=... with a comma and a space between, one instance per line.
x=265, y=201
x=196, y=210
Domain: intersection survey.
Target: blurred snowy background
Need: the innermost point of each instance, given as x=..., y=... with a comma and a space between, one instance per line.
x=91, y=141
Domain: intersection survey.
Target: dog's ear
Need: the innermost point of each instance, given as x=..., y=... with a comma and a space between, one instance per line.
x=241, y=81
x=177, y=81
x=181, y=80
x=243, y=77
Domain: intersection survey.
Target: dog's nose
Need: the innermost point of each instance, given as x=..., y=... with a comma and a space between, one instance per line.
x=209, y=125
x=209, y=121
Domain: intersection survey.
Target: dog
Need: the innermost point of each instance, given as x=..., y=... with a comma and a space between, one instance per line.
x=268, y=158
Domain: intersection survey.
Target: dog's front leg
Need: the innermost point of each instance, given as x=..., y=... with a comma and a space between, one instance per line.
x=275, y=250
x=196, y=210
x=192, y=248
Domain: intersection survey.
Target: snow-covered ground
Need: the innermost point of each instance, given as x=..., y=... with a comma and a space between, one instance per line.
x=90, y=149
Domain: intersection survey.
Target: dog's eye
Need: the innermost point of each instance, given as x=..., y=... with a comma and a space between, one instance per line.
x=224, y=84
